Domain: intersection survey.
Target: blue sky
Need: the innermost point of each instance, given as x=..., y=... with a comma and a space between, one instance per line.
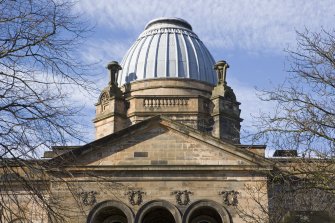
x=250, y=35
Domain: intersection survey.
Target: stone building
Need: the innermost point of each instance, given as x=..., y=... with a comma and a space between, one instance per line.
x=167, y=145
x=167, y=127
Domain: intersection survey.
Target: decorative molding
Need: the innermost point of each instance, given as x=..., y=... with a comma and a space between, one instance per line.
x=104, y=97
x=88, y=198
x=104, y=101
x=135, y=197
x=182, y=197
x=230, y=197
x=165, y=102
x=168, y=30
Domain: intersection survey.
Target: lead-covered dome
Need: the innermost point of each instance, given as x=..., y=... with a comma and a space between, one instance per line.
x=167, y=48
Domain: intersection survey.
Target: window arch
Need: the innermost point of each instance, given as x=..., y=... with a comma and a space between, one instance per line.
x=204, y=219
x=158, y=211
x=104, y=101
x=206, y=211
x=110, y=212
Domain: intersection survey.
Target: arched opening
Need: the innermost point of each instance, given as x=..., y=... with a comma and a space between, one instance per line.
x=158, y=211
x=110, y=215
x=110, y=212
x=158, y=215
x=205, y=215
x=206, y=211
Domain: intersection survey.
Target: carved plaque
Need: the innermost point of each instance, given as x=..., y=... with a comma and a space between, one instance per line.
x=135, y=197
x=182, y=197
x=229, y=197
x=88, y=198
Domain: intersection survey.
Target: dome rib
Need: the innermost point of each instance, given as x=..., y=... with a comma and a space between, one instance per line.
x=187, y=72
x=123, y=62
x=203, y=61
x=167, y=56
x=146, y=58
x=156, y=55
x=138, y=56
x=128, y=62
x=176, y=45
x=168, y=48
x=196, y=57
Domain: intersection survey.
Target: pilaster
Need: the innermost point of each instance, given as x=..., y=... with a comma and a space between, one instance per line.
x=226, y=111
x=111, y=107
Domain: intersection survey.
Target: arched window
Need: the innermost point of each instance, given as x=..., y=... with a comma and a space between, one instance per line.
x=158, y=211
x=205, y=215
x=104, y=99
x=115, y=219
x=110, y=212
x=158, y=215
x=206, y=211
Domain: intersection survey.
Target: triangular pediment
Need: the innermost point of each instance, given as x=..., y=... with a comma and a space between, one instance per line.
x=159, y=141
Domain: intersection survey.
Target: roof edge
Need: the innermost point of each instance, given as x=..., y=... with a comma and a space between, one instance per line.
x=169, y=20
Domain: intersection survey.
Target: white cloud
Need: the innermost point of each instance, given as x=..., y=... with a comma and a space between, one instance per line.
x=252, y=25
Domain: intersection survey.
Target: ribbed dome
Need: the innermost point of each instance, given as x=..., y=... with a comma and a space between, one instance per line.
x=167, y=48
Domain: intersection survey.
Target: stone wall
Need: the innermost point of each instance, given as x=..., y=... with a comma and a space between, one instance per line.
x=154, y=190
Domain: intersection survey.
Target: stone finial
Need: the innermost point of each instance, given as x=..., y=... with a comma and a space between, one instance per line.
x=221, y=70
x=113, y=68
